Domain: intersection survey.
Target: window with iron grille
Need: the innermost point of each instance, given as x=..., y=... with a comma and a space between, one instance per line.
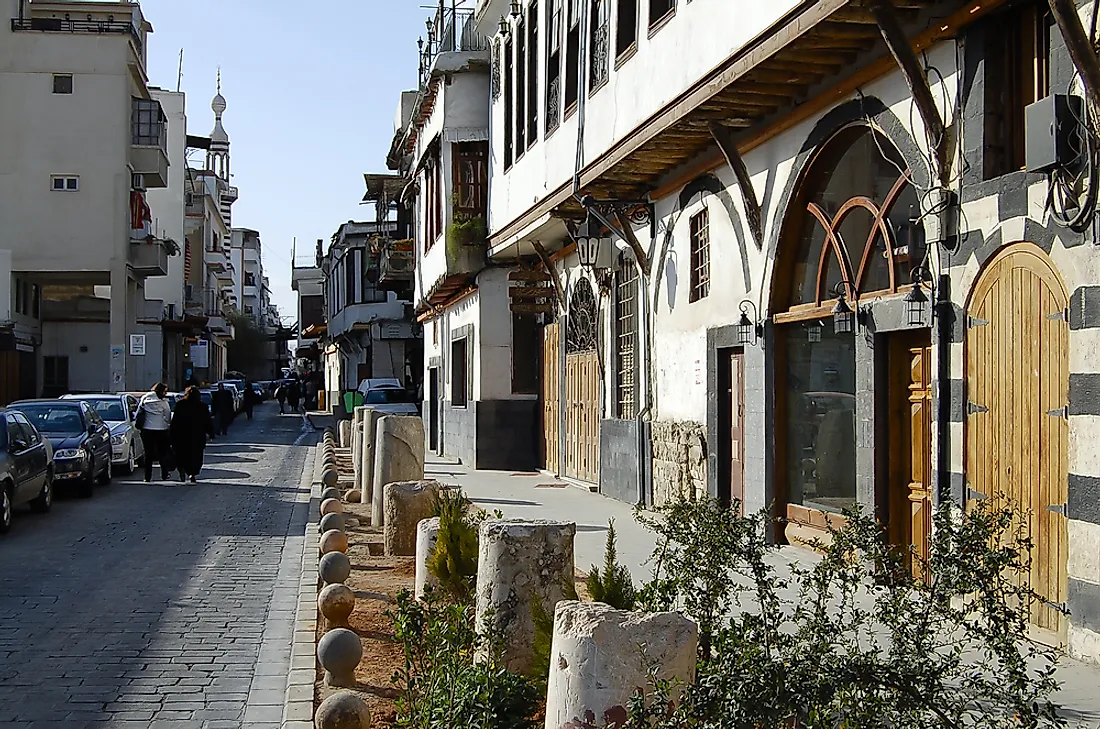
x=553, y=64
x=532, y=73
x=700, y=255
x=147, y=123
x=509, y=111
x=600, y=43
x=626, y=336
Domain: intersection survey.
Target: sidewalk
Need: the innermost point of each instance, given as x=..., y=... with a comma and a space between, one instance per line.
x=535, y=496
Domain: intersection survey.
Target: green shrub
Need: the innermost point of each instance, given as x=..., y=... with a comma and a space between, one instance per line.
x=612, y=586
x=465, y=231
x=454, y=561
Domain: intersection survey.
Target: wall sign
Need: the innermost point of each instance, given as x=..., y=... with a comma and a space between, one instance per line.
x=137, y=345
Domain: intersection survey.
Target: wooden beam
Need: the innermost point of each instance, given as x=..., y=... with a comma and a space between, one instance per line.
x=627, y=232
x=906, y=58
x=551, y=269
x=724, y=138
x=1080, y=49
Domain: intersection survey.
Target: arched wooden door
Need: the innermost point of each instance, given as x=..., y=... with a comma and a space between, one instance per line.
x=1017, y=369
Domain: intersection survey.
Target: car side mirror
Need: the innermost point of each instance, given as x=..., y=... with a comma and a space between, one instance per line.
x=18, y=446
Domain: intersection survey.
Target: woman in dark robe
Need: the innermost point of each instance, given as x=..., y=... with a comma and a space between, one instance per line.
x=191, y=425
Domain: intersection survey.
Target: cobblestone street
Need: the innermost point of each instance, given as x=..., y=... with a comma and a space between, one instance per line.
x=148, y=606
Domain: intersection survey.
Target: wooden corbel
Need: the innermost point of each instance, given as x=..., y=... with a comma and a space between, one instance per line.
x=885, y=15
x=554, y=279
x=626, y=230
x=1079, y=47
x=724, y=137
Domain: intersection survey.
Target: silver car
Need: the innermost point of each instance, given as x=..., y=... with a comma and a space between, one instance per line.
x=118, y=413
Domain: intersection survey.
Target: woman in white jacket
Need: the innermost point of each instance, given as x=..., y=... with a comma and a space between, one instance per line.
x=154, y=418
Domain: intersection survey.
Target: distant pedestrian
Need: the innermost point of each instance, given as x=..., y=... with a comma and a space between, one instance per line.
x=154, y=418
x=280, y=395
x=293, y=395
x=311, y=395
x=192, y=424
x=223, y=406
x=249, y=401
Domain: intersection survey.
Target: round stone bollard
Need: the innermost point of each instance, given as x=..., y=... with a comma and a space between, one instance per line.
x=334, y=567
x=343, y=710
x=332, y=521
x=352, y=496
x=345, y=433
x=330, y=476
x=333, y=541
x=336, y=602
x=398, y=456
x=332, y=506
x=330, y=492
x=427, y=533
x=406, y=503
x=600, y=656
x=339, y=652
x=520, y=562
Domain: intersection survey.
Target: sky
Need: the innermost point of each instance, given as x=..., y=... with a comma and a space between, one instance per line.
x=312, y=90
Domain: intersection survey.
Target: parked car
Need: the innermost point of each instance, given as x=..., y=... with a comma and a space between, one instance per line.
x=119, y=412
x=80, y=439
x=388, y=396
x=26, y=467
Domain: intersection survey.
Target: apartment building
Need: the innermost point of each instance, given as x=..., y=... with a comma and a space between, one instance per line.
x=306, y=281
x=84, y=143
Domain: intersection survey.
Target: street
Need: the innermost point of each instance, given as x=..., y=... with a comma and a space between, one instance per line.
x=148, y=606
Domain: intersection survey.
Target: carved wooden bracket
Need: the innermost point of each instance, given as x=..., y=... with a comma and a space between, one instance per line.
x=1079, y=47
x=626, y=215
x=540, y=250
x=885, y=15
x=627, y=232
x=724, y=137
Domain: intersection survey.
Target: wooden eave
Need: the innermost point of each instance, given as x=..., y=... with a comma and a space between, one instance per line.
x=445, y=289
x=776, y=76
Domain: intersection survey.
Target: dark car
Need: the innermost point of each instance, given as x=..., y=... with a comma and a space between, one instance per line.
x=81, y=440
x=26, y=463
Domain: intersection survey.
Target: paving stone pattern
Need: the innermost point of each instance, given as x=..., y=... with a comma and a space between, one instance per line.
x=158, y=607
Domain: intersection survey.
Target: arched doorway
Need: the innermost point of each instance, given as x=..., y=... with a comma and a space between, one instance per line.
x=849, y=435
x=1017, y=432
x=582, y=385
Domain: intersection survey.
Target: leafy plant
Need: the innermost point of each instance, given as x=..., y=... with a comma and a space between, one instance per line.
x=466, y=230
x=452, y=675
x=613, y=586
x=454, y=561
x=853, y=640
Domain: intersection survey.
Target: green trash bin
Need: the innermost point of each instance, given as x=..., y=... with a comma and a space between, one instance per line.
x=352, y=400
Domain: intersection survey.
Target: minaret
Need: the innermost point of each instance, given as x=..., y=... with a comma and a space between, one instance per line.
x=217, y=157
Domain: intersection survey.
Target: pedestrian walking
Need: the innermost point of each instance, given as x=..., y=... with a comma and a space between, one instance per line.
x=293, y=395
x=154, y=418
x=280, y=395
x=192, y=424
x=222, y=403
x=249, y=401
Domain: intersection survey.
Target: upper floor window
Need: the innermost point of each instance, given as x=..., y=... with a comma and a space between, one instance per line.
x=600, y=43
x=555, y=12
x=572, y=54
x=509, y=100
x=62, y=83
x=65, y=183
x=1017, y=73
x=520, y=96
x=147, y=122
x=433, y=198
x=659, y=10
x=700, y=256
x=626, y=27
x=532, y=89
x=471, y=178
x=626, y=338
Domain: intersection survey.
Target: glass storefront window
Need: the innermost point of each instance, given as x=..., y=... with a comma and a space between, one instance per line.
x=820, y=417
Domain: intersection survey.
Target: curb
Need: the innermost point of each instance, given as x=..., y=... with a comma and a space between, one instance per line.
x=298, y=709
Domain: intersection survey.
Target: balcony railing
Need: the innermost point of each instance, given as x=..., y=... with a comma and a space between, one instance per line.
x=451, y=28
x=397, y=263
x=95, y=27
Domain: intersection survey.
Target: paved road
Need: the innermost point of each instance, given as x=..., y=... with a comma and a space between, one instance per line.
x=148, y=606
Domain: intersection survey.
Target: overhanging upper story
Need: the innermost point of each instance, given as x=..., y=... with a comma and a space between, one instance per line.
x=350, y=270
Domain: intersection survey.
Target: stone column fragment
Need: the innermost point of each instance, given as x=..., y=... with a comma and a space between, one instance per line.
x=357, y=440
x=366, y=473
x=427, y=533
x=345, y=433
x=600, y=656
x=406, y=504
x=521, y=563
x=398, y=456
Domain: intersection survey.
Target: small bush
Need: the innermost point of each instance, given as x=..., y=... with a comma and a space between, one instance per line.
x=454, y=561
x=612, y=586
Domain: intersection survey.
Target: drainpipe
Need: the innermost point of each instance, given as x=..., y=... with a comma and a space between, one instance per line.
x=646, y=391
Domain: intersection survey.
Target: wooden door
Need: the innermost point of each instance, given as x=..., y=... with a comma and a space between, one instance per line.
x=433, y=410
x=550, y=395
x=731, y=424
x=582, y=418
x=1017, y=432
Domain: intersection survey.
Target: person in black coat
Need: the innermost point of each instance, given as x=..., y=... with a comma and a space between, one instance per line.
x=249, y=398
x=221, y=401
x=191, y=426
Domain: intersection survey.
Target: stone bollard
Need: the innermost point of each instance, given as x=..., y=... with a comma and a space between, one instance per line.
x=332, y=506
x=357, y=439
x=600, y=656
x=330, y=476
x=352, y=496
x=336, y=602
x=330, y=492
x=398, y=456
x=333, y=541
x=334, y=567
x=427, y=533
x=366, y=473
x=518, y=563
x=339, y=652
x=332, y=521
x=406, y=503
x=343, y=710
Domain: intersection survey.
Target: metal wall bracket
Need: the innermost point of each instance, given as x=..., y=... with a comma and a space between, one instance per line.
x=1057, y=508
x=973, y=321
x=1062, y=315
x=1061, y=607
x=724, y=137
x=971, y=494
x=974, y=408
x=1062, y=412
x=626, y=214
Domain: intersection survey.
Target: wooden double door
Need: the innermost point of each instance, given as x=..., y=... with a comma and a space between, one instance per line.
x=570, y=409
x=1017, y=429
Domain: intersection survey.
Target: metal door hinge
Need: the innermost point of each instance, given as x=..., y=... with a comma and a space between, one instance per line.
x=973, y=321
x=1061, y=607
x=977, y=495
x=973, y=408
x=1057, y=508
x=1062, y=315
x=1062, y=412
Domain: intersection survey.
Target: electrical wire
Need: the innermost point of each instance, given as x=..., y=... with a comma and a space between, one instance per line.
x=1067, y=207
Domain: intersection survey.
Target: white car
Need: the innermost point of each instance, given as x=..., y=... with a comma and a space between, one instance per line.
x=388, y=396
x=118, y=413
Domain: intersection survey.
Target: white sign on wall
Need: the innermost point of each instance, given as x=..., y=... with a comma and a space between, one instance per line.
x=137, y=345
x=200, y=354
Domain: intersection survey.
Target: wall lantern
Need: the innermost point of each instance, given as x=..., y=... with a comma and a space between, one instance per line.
x=504, y=28
x=587, y=238
x=748, y=330
x=516, y=9
x=916, y=299
x=844, y=319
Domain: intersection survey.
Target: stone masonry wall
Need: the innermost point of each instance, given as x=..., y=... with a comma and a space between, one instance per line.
x=679, y=460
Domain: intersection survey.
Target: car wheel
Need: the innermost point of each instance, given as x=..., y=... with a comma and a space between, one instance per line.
x=5, y=507
x=44, y=501
x=85, y=487
x=105, y=476
x=131, y=464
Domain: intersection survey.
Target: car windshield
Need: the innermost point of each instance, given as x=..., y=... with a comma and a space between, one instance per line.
x=109, y=410
x=50, y=418
x=388, y=395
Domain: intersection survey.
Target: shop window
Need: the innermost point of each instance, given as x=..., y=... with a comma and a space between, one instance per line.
x=1017, y=73
x=459, y=369
x=659, y=10
x=700, y=256
x=532, y=73
x=526, y=347
x=626, y=339
x=626, y=27
x=600, y=43
x=554, y=9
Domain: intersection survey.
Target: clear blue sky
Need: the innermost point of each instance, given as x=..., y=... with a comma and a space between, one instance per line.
x=311, y=90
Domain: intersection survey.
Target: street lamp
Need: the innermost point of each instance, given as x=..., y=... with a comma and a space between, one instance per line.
x=503, y=28
x=587, y=238
x=516, y=9
x=748, y=330
x=844, y=318
x=915, y=301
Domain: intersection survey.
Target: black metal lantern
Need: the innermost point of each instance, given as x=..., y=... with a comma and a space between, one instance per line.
x=504, y=27
x=516, y=9
x=587, y=238
x=915, y=302
x=748, y=330
x=844, y=318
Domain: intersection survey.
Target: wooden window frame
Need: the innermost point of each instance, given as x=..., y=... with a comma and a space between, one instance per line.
x=573, y=60
x=532, y=73
x=433, y=197
x=658, y=21
x=470, y=156
x=554, y=39
x=700, y=255
x=519, y=98
x=509, y=109
x=624, y=31
x=626, y=340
